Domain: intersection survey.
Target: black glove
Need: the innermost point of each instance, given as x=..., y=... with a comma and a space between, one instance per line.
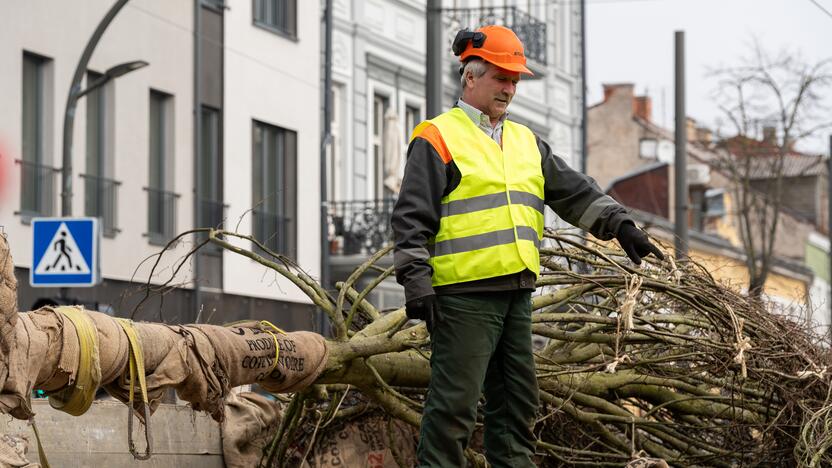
x=424, y=308
x=636, y=244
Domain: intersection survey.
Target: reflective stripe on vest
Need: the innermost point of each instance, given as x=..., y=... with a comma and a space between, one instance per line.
x=481, y=241
x=492, y=222
x=491, y=201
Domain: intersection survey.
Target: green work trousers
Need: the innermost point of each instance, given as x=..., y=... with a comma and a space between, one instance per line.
x=481, y=344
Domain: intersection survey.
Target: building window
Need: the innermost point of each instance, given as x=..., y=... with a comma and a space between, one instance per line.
x=715, y=203
x=96, y=113
x=274, y=188
x=380, y=104
x=277, y=15
x=412, y=118
x=161, y=199
x=37, y=177
x=212, y=209
x=707, y=207
x=334, y=169
x=100, y=191
x=215, y=4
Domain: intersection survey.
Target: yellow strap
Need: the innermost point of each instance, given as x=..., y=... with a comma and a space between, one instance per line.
x=136, y=366
x=44, y=463
x=77, y=398
x=264, y=326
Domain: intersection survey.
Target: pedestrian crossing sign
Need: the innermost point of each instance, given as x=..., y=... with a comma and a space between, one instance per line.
x=64, y=252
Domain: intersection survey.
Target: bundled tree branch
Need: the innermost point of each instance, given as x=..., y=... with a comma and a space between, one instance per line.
x=633, y=363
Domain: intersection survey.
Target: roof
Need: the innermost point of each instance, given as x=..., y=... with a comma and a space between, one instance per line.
x=636, y=172
x=793, y=165
x=702, y=239
x=695, y=150
x=765, y=155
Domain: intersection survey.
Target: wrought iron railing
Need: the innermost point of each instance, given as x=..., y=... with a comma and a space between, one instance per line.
x=37, y=188
x=211, y=213
x=529, y=29
x=361, y=226
x=273, y=231
x=101, y=200
x=161, y=214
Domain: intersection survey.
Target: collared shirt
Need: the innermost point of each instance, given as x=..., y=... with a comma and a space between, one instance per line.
x=483, y=121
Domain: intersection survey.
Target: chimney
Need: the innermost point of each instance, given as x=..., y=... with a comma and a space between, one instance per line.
x=643, y=107
x=621, y=89
x=690, y=129
x=704, y=135
x=770, y=135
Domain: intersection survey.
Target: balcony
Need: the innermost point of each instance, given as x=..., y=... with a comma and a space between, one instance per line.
x=37, y=189
x=361, y=227
x=161, y=215
x=529, y=29
x=274, y=231
x=101, y=200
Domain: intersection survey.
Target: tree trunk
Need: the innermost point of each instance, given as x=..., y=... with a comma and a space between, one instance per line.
x=698, y=375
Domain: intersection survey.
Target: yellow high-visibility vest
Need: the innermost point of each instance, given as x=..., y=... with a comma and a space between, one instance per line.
x=492, y=223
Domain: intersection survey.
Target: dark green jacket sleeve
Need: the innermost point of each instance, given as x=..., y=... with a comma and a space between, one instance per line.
x=577, y=199
x=415, y=217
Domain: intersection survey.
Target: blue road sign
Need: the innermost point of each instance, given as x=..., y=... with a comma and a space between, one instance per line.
x=64, y=252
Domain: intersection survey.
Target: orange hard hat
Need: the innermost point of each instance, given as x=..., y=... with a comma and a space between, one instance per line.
x=494, y=44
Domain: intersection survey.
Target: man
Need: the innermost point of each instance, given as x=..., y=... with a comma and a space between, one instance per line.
x=467, y=226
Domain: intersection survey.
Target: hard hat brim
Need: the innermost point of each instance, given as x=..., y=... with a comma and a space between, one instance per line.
x=515, y=67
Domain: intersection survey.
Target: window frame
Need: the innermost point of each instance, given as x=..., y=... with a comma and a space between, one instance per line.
x=334, y=158
x=381, y=104
x=210, y=175
x=288, y=32
x=283, y=168
x=162, y=198
x=98, y=167
x=36, y=199
x=714, y=198
x=95, y=100
x=159, y=102
x=414, y=111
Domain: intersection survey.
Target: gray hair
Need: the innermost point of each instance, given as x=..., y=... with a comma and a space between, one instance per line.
x=476, y=67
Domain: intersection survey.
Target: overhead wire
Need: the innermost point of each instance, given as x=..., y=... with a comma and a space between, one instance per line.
x=822, y=8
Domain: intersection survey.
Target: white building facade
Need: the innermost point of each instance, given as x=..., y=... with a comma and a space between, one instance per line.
x=216, y=131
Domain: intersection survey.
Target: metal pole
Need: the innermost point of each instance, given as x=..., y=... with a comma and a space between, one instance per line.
x=583, y=88
x=433, y=71
x=325, y=143
x=681, y=175
x=72, y=101
x=829, y=227
x=197, y=147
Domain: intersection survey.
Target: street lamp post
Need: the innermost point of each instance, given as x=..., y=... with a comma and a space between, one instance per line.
x=69, y=119
x=75, y=93
x=69, y=122
x=72, y=100
x=111, y=74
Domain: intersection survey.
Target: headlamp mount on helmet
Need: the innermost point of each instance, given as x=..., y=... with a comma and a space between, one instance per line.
x=460, y=43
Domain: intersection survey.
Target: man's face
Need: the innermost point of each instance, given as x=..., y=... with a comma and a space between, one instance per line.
x=492, y=92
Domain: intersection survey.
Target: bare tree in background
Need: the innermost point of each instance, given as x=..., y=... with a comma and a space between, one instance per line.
x=772, y=103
